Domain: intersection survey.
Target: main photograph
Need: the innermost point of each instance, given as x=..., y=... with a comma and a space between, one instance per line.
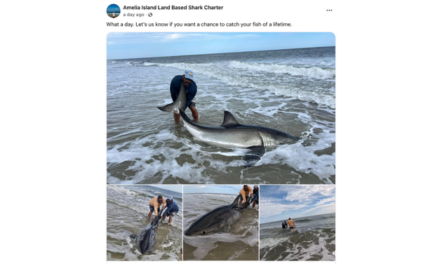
x=188, y=108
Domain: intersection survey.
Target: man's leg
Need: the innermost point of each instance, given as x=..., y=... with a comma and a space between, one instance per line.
x=171, y=219
x=194, y=112
x=149, y=215
x=253, y=205
x=177, y=118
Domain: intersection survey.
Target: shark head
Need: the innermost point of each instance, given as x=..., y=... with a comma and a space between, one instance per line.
x=215, y=221
x=145, y=239
x=272, y=137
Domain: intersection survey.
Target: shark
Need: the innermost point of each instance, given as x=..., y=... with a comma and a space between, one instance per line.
x=146, y=237
x=218, y=219
x=231, y=134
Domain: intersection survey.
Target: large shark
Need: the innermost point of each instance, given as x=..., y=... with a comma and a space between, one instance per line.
x=146, y=237
x=231, y=134
x=218, y=219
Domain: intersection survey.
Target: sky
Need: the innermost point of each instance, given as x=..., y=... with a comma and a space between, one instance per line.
x=125, y=45
x=224, y=189
x=113, y=8
x=279, y=202
x=174, y=188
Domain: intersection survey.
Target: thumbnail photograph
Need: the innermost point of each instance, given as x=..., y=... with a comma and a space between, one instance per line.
x=297, y=223
x=220, y=222
x=221, y=108
x=144, y=222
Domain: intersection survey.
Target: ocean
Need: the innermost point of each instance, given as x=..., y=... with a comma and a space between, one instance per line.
x=239, y=242
x=127, y=209
x=290, y=90
x=313, y=238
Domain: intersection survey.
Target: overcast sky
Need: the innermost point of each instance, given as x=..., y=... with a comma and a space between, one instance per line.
x=224, y=189
x=279, y=202
x=141, y=44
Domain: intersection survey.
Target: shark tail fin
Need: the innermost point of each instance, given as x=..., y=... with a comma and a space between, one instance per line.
x=168, y=108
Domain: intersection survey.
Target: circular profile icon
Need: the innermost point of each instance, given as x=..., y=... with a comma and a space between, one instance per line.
x=113, y=11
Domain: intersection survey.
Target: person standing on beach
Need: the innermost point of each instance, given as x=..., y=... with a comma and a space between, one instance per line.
x=187, y=79
x=172, y=209
x=291, y=223
x=245, y=192
x=155, y=204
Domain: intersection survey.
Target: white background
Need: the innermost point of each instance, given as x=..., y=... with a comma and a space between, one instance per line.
x=53, y=124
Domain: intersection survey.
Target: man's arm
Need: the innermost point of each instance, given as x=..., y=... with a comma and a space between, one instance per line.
x=243, y=195
x=156, y=206
x=164, y=213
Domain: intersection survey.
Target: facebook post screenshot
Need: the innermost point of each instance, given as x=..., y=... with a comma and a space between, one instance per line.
x=206, y=130
x=203, y=96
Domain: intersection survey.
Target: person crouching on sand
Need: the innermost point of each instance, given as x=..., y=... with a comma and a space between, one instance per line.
x=172, y=209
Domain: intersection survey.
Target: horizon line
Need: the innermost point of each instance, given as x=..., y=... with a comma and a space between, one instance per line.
x=221, y=53
x=297, y=217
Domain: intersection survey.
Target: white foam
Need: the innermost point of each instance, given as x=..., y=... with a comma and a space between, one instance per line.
x=272, y=242
x=139, y=155
x=149, y=64
x=290, y=89
x=303, y=158
x=312, y=72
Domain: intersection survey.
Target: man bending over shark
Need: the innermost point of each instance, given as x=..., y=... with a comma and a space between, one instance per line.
x=155, y=203
x=172, y=210
x=187, y=80
x=244, y=194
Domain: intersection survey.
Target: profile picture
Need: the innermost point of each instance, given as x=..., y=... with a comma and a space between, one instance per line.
x=113, y=11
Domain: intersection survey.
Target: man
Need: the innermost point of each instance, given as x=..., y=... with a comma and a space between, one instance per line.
x=172, y=210
x=245, y=194
x=187, y=80
x=155, y=203
x=255, y=192
x=284, y=224
x=291, y=223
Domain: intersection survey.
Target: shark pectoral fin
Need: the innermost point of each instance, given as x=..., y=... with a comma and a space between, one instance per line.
x=128, y=233
x=254, y=155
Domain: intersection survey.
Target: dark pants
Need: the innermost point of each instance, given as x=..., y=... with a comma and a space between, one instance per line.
x=172, y=213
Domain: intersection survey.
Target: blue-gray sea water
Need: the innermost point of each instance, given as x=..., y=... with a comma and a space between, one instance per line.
x=289, y=90
x=313, y=238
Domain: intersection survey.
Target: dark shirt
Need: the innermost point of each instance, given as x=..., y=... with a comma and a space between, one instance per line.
x=191, y=89
x=255, y=191
x=171, y=207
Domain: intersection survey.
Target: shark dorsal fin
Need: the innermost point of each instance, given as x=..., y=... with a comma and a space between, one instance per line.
x=229, y=120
